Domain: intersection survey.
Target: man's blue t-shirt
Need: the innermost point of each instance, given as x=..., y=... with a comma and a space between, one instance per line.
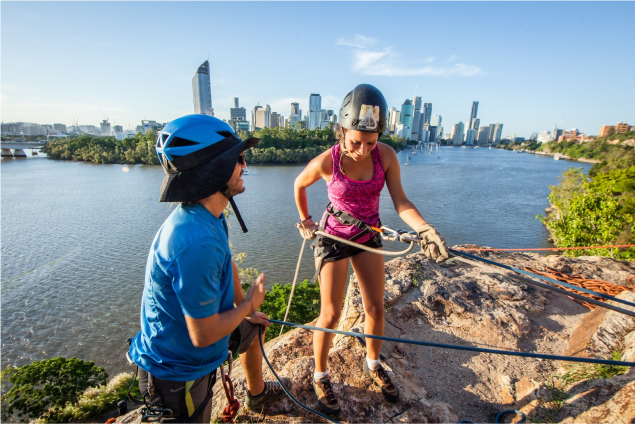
x=189, y=272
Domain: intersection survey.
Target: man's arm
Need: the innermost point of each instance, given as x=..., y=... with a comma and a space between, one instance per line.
x=206, y=331
x=238, y=290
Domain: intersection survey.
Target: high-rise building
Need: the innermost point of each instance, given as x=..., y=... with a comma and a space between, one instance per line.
x=60, y=128
x=406, y=116
x=261, y=119
x=295, y=109
x=533, y=136
x=236, y=114
x=293, y=120
x=474, y=125
x=104, y=127
x=118, y=129
x=473, y=116
x=274, y=120
x=201, y=91
x=470, y=137
x=426, y=112
x=457, y=134
x=435, y=120
x=482, y=135
x=415, y=130
x=394, y=118
x=433, y=133
x=498, y=128
x=315, y=115
x=254, y=113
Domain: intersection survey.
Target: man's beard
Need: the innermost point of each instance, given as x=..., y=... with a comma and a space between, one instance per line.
x=234, y=187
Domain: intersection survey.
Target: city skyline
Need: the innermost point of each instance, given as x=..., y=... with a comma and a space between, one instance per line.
x=526, y=71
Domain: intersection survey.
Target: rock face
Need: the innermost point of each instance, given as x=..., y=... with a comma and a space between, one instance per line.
x=464, y=304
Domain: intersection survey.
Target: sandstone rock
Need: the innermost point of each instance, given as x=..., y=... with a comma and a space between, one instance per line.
x=602, y=331
x=456, y=303
x=596, y=401
x=628, y=351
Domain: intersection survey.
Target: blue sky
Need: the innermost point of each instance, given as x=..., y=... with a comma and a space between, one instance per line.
x=529, y=64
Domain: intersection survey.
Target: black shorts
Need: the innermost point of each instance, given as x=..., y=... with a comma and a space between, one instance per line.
x=332, y=250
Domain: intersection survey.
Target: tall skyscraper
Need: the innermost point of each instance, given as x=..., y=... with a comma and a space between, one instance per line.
x=394, y=118
x=315, y=115
x=254, y=114
x=473, y=115
x=201, y=90
x=295, y=109
x=426, y=112
x=436, y=120
x=406, y=117
x=415, y=130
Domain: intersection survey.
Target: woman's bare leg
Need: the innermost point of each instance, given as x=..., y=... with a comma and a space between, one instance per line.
x=333, y=279
x=369, y=269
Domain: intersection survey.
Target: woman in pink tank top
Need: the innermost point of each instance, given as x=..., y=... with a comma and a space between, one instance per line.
x=356, y=170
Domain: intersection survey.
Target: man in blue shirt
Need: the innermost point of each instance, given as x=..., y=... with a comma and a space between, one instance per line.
x=192, y=299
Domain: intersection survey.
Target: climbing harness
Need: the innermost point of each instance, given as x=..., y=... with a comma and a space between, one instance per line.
x=231, y=410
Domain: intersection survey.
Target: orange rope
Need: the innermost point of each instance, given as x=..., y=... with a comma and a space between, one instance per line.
x=548, y=248
x=600, y=286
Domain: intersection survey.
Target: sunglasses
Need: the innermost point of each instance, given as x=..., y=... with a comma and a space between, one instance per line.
x=241, y=160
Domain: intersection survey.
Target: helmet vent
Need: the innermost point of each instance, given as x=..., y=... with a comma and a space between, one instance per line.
x=182, y=142
x=226, y=134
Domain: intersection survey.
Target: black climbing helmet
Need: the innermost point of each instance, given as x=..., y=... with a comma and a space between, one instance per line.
x=364, y=109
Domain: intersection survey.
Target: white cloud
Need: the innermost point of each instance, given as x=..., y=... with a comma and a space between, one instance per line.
x=372, y=57
x=359, y=41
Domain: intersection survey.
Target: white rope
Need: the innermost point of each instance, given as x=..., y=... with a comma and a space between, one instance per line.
x=368, y=249
x=291, y=295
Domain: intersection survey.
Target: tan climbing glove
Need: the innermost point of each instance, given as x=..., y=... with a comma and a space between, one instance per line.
x=433, y=245
x=307, y=228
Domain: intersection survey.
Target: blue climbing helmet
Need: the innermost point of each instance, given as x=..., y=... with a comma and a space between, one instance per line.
x=198, y=154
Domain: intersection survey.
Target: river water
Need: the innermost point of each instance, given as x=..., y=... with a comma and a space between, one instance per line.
x=75, y=236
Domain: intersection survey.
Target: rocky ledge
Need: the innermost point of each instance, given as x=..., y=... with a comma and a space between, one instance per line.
x=466, y=304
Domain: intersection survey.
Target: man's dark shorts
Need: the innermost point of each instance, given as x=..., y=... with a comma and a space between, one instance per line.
x=171, y=394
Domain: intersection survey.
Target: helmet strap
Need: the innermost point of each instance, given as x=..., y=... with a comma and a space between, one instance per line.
x=226, y=192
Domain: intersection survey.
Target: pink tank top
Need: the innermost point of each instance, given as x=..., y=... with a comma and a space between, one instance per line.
x=360, y=199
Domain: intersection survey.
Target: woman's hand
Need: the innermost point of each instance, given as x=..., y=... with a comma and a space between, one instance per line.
x=433, y=244
x=307, y=229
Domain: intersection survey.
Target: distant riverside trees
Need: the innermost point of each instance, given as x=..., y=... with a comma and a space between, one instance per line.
x=278, y=145
x=90, y=148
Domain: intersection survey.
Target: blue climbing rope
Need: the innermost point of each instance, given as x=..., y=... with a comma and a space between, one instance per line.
x=530, y=274
x=458, y=347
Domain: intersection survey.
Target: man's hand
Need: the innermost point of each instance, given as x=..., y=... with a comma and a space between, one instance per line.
x=259, y=318
x=433, y=245
x=307, y=229
x=256, y=293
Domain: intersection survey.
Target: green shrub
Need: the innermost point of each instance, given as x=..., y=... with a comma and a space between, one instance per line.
x=46, y=384
x=305, y=306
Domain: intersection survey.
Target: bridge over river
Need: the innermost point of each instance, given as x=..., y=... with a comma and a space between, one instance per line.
x=16, y=148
